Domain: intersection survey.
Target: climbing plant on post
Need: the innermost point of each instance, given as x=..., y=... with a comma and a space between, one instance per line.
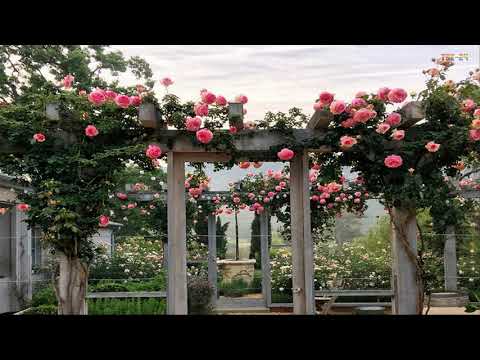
x=404, y=157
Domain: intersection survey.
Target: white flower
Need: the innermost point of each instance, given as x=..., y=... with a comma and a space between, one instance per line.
x=141, y=172
x=153, y=178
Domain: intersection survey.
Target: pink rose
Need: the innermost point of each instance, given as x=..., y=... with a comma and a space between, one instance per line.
x=122, y=101
x=322, y=201
x=382, y=93
x=363, y=115
x=82, y=93
x=193, y=124
x=382, y=128
x=187, y=184
x=468, y=105
x=360, y=94
x=337, y=107
x=220, y=100
x=122, y=196
x=358, y=102
x=278, y=188
x=131, y=205
x=208, y=97
x=104, y=220
x=91, y=131
x=397, y=95
x=282, y=184
x=23, y=207
x=68, y=81
x=356, y=201
x=433, y=72
x=476, y=113
x=110, y=95
x=166, y=82
x=358, y=194
x=201, y=109
x=398, y=135
x=474, y=135
x=271, y=194
x=393, y=119
x=346, y=142
x=153, y=152
x=432, y=146
x=244, y=165
x=236, y=200
x=325, y=98
x=204, y=136
x=393, y=161
x=39, y=137
x=349, y=123
x=241, y=99
x=135, y=100
x=475, y=124
x=285, y=154
x=232, y=130
x=96, y=97
x=318, y=106
x=257, y=164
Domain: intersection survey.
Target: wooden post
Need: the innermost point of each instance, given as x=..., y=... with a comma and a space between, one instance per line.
x=212, y=256
x=450, y=260
x=235, y=115
x=177, y=302
x=404, y=271
x=22, y=247
x=265, y=256
x=302, y=245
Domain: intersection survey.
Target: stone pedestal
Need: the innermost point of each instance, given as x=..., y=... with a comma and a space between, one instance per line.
x=448, y=299
x=234, y=269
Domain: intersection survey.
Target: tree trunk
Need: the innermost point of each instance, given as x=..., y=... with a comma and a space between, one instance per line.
x=71, y=286
x=406, y=270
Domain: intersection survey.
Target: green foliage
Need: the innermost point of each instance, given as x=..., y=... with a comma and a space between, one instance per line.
x=236, y=288
x=200, y=292
x=42, y=310
x=45, y=296
x=221, y=238
x=151, y=306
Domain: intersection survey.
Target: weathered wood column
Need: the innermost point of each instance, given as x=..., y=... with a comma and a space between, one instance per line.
x=406, y=289
x=22, y=248
x=265, y=256
x=450, y=260
x=212, y=256
x=177, y=244
x=302, y=245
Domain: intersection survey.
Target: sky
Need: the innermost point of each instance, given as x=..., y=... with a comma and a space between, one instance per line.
x=277, y=78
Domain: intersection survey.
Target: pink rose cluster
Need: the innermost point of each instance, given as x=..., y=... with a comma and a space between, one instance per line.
x=99, y=97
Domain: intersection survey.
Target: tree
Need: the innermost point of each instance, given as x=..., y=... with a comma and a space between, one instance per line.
x=69, y=168
x=221, y=238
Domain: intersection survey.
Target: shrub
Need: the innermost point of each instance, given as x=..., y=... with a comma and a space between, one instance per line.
x=199, y=296
x=109, y=287
x=42, y=310
x=45, y=296
x=127, y=307
x=235, y=288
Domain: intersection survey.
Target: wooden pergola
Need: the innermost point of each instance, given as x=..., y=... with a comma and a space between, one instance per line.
x=256, y=146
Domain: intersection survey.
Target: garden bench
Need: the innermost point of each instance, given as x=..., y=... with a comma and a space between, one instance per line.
x=331, y=296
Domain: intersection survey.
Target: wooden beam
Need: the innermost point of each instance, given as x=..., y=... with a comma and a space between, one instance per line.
x=412, y=113
x=320, y=120
x=254, y=143
x=177, y=242
x=302, y=245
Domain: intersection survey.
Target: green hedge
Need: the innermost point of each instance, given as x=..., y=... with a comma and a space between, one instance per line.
x=127, y=307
